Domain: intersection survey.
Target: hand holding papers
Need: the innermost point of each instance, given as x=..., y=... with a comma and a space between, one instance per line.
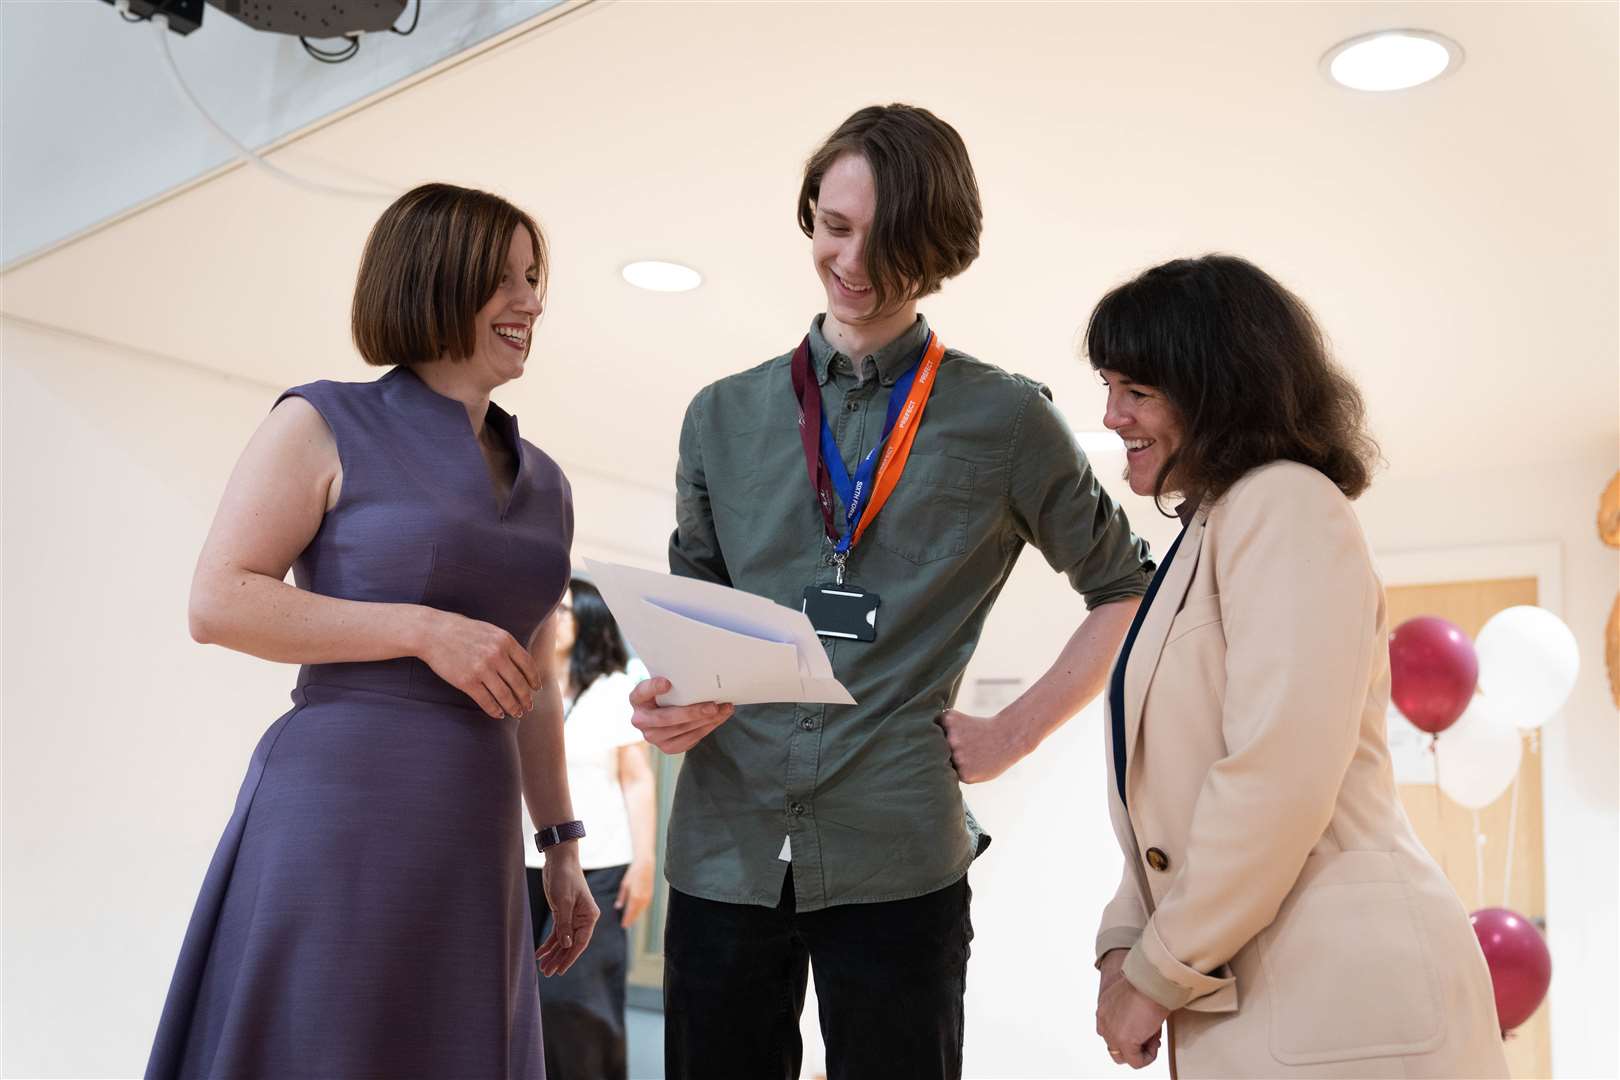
x=717, y=644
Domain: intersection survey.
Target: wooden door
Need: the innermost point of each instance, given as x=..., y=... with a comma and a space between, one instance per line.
x=1447, y=829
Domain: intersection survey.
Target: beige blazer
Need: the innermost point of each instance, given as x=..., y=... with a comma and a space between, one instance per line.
x=1275, y=896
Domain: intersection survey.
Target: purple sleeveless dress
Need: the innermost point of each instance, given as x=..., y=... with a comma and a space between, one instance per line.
x=366, y=913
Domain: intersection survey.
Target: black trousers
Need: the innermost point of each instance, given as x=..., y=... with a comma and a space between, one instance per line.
x=889, y=978
x=582, y=1010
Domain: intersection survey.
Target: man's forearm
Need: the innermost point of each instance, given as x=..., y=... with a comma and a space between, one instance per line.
x=1078, y=674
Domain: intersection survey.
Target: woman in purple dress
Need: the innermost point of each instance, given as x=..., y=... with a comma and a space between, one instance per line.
x=366, y=913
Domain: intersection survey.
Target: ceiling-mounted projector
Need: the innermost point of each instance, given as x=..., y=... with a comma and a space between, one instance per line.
x=314, y=18
x=299, y=18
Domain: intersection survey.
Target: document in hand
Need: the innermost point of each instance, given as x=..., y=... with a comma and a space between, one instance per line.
x=717, y=644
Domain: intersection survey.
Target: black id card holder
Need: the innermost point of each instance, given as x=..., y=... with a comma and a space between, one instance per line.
x=842, y=611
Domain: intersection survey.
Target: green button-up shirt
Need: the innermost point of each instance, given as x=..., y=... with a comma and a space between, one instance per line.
x=866, y=793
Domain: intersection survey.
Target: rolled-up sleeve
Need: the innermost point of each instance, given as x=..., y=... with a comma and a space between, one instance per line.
x=1059, y=506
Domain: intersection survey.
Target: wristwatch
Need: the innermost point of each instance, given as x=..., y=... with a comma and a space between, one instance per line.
x=552, y=835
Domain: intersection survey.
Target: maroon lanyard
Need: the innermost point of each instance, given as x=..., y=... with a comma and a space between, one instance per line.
x=809, y=395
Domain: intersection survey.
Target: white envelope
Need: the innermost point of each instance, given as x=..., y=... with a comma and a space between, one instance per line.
x=717, y=644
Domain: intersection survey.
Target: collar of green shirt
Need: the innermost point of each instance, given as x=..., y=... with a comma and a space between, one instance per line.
x=892, y=360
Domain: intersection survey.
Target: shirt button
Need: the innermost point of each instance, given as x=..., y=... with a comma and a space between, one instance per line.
x=807, y=723
x=1158, y=859
x=851, y=406
x=797, y=808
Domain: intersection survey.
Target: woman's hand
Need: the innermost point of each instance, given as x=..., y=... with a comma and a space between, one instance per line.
x=983, y=747
x=482, y=661
x=1112, y=967
x=674, y=729
x=573, y=912
x=1129, y=1021
x=635, y=893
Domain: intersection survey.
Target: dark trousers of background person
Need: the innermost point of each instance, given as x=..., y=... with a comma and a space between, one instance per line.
x=889, y=979
x=582, y=1010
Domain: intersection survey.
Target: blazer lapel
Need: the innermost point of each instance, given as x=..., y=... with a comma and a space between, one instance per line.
x=1145, y=652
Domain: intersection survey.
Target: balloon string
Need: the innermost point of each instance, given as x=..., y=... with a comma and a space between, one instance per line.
x=1479, y=861
x=1513, y=825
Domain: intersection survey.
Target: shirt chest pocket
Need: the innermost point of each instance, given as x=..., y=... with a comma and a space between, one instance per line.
x=927, y=517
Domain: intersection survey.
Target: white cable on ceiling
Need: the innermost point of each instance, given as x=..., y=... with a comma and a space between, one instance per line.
x=161, y=23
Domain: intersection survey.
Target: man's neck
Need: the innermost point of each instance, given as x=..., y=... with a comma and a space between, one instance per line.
x=858, y=340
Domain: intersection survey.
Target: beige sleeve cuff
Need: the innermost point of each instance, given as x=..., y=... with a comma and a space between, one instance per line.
x=1122, y=922
x=1115, y=937
x=1155, y=972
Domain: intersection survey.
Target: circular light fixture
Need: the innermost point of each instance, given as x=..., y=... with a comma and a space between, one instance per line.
x=662, y=276
x=1391, y=60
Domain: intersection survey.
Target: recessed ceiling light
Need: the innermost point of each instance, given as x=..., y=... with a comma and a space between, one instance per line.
x=1391, y=60
x=662, y=276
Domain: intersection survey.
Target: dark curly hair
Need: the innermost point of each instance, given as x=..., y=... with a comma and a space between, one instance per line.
x=1244, y=365
x=598, y=646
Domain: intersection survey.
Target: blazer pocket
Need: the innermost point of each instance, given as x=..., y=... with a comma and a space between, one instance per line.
x=1197, y=613
x=1348, y=969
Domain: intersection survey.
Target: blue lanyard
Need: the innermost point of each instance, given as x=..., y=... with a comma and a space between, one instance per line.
x=853, y=493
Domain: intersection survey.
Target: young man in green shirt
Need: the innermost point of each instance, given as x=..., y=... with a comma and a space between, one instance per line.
x=889, y=484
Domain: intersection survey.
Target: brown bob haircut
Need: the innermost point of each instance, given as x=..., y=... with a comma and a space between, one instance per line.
x=926, y=226
x=1244, y=365
x=432, y=260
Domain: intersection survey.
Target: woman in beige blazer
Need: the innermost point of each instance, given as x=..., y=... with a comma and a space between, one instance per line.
x=1276, y=905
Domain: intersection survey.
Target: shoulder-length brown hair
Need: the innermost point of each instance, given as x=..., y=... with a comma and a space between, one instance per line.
x=432, y=260
x=928, y=219
x=1244, y=365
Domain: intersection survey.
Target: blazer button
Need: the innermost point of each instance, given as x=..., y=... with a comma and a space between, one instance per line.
x=1158, y=859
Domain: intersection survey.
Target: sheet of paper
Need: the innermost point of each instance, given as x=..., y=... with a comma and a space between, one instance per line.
x=715, y=643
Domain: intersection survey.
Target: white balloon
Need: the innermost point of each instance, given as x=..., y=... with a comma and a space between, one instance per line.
x=1527, y=663
x=1477, y=758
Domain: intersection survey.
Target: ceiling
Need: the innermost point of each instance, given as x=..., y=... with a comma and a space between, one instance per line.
x=1458, y=241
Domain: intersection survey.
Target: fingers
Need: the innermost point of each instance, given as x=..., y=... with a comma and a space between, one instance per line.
x=1151, y=1049
x=485, y=700
x=524, y=663
x=645, y=695
x=650, y=714
x=546, y=954
x=680, y=744
x=560, y=951
x=676, y=729
x=511, y=688
x=1135, y=1054
x=584, y=928
x=632, y=904
x=561, y=939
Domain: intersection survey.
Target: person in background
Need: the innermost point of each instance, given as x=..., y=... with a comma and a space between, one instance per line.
x=1276, y=905
x=611, y=779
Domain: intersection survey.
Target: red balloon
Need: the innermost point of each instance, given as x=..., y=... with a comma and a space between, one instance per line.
x=1521, y=966
x=1433, y=671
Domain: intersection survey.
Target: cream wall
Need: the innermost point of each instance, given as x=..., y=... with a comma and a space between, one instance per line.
x=124, y=741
